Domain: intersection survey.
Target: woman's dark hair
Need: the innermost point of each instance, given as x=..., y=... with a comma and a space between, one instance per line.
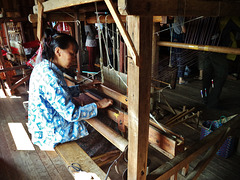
x=53, y=39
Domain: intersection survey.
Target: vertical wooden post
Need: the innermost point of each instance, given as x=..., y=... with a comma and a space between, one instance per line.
x=155, y=49
x=78, y=36
x=2, y=61
x=122, y=55
x=7, y=36
x=39, y=23
x=139, y=81
x=155, y=58
x=7, y=78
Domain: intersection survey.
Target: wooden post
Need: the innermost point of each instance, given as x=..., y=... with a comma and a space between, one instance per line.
x=6, y=74
x=155, y=58
x=39, y=23
x=78, y=36
x=139, y=82
x=7, y=78
x=7, y=36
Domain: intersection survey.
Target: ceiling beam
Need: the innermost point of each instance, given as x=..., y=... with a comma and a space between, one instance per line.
x=179, y=7
x=53, y=5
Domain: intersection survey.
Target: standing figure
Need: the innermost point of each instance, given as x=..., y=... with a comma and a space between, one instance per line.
x=53, y=117
x=91, y=45
x=215, y=72
x=215, y=69
x=178, y=33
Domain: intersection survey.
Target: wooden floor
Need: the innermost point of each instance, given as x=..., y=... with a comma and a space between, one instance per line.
x=24, y=164
x=37, y=164
x=189, y=95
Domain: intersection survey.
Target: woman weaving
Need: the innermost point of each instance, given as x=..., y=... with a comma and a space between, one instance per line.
x=53, y=118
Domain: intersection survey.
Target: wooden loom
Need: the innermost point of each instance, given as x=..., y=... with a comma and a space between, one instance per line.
x=12, y=82
x=139, y=42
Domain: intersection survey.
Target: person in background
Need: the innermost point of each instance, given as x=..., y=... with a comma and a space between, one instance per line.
x=215, y=67
x=91, y=45
x=53, y=117
x=201, y=58
x=178, y=31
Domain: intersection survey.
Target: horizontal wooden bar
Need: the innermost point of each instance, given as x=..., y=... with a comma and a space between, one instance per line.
x=19, y=82
x=71, y=152
x=90, y=20
x=106, y=90
x=14, y=19
x=52, y=5
x=104, y=19
x=109, y=19
x=114, y=94
x=13, y=68
x=116, y=139
x=218, y=49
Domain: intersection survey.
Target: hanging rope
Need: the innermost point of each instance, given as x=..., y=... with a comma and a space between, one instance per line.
x=100, y=43
x=158, y=32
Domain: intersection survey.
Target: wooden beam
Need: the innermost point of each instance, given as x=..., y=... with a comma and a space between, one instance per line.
x=108, y=133
x=208, y=157
x=13, y=68
x=16, y=19
x=104, y=19
x=33, y=18
x=2, y=61
x=39, y=23
x=78, y=37
x=109, y=19
x=218, y=49
x=113, y=94
x=3, y=87
x=71, y=152
x=179, y=7
x=155, y=60
x=52, y=5
x=7, y=36
x=139, y=83
x=123, y=31
x=19, y=82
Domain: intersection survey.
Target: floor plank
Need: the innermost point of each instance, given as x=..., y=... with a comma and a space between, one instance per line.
x=24, y=164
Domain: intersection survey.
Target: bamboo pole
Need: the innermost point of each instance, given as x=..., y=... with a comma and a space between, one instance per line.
x=217, y=49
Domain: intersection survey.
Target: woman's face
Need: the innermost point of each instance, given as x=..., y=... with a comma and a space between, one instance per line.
x=65, y=57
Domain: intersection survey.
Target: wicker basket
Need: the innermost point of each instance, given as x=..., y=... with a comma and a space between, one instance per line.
x=228, y=147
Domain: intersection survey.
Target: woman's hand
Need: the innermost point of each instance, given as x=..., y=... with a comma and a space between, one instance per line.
x=103, y=103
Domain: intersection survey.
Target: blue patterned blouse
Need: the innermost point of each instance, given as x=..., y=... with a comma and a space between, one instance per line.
x=52, y=116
